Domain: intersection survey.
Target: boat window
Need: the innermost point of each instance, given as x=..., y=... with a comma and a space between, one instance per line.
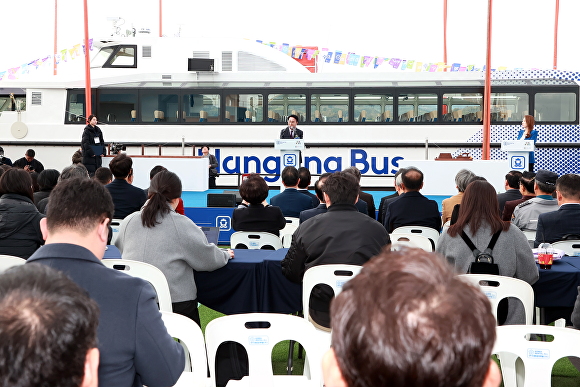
x=159, y=107
x=329, y=108
x=117, y=107
x=244, y=108
x=416, y=107
x=555, y=107
x=509, y=106
x=280, y=106
x=373, y=108
x=102, y=56
x=76, y=106
x=462, y=107
x=123, y=56
x=8, y=104
x=201, y=108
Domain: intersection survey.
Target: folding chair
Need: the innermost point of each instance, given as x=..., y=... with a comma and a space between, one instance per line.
x=286, y=234
x=410, y=240
x=7, y=261
x=571, y=247
x=428, y=232
x=116, y=226
x=255, y=240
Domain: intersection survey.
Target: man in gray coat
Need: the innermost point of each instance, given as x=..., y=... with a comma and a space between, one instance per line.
x=526, y=214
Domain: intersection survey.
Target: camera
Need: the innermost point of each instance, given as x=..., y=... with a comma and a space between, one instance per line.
x=117, y=148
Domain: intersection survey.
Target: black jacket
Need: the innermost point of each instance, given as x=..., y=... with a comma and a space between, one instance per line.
x=88, y=139
x=256, y=217
x=20, y=233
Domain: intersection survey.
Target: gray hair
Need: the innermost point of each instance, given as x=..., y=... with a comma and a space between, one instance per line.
x=399, y=177
x=72, y=171
x=463, y=178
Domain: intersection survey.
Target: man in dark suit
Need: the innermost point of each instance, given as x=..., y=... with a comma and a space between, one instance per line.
x=304, y=182
x=512, y=187
x=365, y=197
x=411, y=208
x=126, y=197
x=321, y=208
x=291, y=131
x=553, y=226
x=290, y=201
x=134, y=345
x=386, y=200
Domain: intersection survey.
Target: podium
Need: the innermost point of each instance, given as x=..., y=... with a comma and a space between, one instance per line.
x=289, y=152
x=518, y=153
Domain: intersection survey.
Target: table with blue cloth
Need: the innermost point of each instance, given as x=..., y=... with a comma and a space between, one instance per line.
x=251, y=282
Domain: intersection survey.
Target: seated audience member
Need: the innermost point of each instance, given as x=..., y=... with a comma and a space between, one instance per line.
x=462, y=179
x=154, y=171
x=34, y=177
x=29, y=163
x=304, y=179
x=69, y=172
x=135, y=348
x=429, y=329
x=48, y=330
x=126, y=197
x=526, y=213
x=527, y=191
x=4, y=160
x=366, y=197
x=554, y=226
x=103, y=175
x=455, y=212
x=20, y=233
x=290, y=201
x=257, y=216
x=512, y=187
x=341, y=235
x=173, y=243
x=479, y=220
x=386, y=200
x=46, y=182
x=321, y=208
x=77, y=157
x=412, y=208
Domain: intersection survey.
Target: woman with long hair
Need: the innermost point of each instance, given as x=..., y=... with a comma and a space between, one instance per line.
x=479, y=219
x=173, y=243
x=20, y=233
x=528, y=133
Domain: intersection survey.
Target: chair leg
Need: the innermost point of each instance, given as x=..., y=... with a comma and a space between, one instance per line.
x=289, y=366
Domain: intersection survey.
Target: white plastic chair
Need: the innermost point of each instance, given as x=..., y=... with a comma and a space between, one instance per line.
x=147, y=272
x=259, y=342
x=116, y=226
x=292, y=220
x=286, y=234
x=190, y=335
x=255, y=240
x=538, y=357
x=571, y=247
x=7, y=261
x=507, y=287
x=428, y=232
x=410, y=240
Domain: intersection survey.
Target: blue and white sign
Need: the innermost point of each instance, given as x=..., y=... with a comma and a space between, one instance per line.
x=518, y=162
x=290, y=160
x=224, y=223
x=259, y=340
x=491, y=295
x=534, y=353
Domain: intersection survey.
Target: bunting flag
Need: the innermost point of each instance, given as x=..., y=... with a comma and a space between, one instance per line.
x=419, y=67
x=24, y=69
x=63, y=54
x=342, y=60
x=337, y=56
x=395, y=62
x=378, y=61
x=327, y=57
x=285, y=47
x=455, y=66
x=367, y=60
x=2, y=74
x=12, y=72
x=91, y=46
x=404, y=64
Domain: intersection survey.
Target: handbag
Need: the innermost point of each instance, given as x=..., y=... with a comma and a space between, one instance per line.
x=483, y=262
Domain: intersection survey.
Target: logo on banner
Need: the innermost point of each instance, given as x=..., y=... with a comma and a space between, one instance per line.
x=224, y=223
x=518, y=162
x=290, y=160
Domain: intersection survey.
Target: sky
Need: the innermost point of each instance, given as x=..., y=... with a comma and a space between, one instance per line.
x=523, y=30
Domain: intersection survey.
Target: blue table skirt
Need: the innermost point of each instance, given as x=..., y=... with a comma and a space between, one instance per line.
x=558, y=287
x=251, y=282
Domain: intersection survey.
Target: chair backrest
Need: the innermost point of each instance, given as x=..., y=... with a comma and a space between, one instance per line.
x=428, y=232
x=255, y=240
x=258, y=342
x=116, y=227
x=538, y=357
x=334, y=276
x=189, y=335
x=147, y=272
x=571, y=247
x=506, y=287
x=7, y=261
x=286, y=234
x=221, y=200
x=292, y=220
x=411, y=240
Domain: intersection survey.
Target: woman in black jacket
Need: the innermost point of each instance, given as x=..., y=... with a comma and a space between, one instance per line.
x=92, y=136
x=20, y=233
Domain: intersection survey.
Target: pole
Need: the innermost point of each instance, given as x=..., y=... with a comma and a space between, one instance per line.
x=160, y=18
x=486, y=151
x=88, y=102
x=55, y=35
x=426, y=148
x=556, y=34
x=445, y=32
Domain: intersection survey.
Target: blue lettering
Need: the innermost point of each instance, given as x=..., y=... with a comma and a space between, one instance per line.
x=275, y=170
x=316, y=160
x=384, y=171
x=395, y=162
x=247, y=162
x=359, y=156
x=337, y=160
x=236, y=169
x=217, y=156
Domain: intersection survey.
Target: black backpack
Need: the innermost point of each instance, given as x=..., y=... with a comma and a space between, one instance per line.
x=483, y=263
